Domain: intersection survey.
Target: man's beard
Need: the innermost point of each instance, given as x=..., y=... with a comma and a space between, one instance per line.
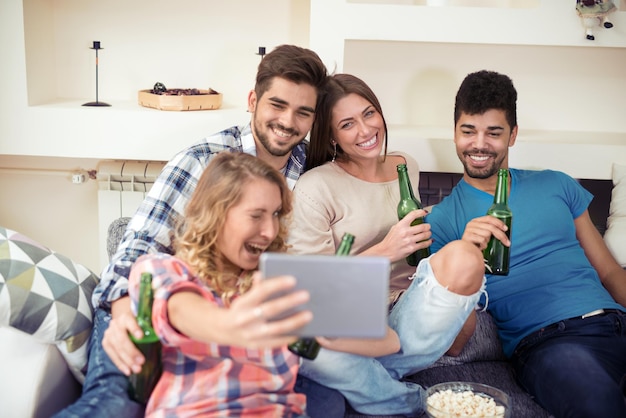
x=482, y=173
x=264, y=140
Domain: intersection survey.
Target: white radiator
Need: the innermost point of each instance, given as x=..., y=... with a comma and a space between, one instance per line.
x=122, y=186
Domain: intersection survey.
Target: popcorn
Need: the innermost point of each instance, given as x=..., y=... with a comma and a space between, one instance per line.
x=449, y=403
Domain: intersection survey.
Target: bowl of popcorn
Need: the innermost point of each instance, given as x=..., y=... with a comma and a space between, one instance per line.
x=466, y=399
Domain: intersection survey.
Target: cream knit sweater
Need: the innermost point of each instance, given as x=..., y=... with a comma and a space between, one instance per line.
x=329, y=202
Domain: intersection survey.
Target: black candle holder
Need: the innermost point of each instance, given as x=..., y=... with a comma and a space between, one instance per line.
x=261, y=51
x=96, y=47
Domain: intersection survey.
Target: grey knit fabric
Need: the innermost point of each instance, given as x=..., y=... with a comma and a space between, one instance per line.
x=483, y=361
x=115, y=234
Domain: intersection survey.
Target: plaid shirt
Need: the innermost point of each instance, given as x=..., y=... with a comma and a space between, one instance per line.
x=151, y=229
x=209, y=379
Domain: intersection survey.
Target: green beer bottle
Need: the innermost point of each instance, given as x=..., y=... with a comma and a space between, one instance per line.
x=345, y=245
x=309, y=347
x=408, y=202
x=141, y=384
x=497, y=254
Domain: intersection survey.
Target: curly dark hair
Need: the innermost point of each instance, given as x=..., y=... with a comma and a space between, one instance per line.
x=485, y=90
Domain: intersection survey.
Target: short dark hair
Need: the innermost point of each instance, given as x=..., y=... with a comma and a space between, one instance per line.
x=485, y=90
x=293, y=63
x=339, y=86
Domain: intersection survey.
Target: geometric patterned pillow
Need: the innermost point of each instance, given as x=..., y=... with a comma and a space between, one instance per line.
x=47, y=295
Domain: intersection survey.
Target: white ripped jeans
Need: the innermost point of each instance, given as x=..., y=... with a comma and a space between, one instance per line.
x=427, y=318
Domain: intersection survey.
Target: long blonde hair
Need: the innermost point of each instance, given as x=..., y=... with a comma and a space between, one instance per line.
x=220, y=188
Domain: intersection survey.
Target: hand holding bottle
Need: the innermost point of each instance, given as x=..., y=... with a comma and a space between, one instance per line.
x=409, y=203
x=116, y=342
x=403, y=238
x=480, y=230
x=142, y=383
x=497, y=254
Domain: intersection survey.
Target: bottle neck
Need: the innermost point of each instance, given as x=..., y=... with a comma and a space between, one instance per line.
x=144, y=307
x=501, y=195
x=346, y=244
x=405, y=184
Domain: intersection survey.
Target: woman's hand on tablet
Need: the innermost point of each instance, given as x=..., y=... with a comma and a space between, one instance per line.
x=250, y=321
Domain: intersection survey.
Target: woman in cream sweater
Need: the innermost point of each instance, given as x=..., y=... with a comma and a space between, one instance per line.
x=351, y=185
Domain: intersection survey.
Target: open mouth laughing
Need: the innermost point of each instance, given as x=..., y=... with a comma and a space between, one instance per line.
x=255, y=249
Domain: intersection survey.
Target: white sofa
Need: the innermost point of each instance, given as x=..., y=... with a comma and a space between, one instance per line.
x=36, y=381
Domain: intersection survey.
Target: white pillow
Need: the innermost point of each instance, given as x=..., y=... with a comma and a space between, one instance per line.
x=615, y=235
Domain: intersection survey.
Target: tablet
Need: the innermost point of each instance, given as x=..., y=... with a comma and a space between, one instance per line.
x=349, y=295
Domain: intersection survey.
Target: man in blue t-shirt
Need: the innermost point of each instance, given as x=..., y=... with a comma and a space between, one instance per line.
x=561, y=310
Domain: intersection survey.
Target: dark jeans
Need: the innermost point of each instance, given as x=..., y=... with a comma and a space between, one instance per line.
x=321, y=401
x=105, y=389
x=577, y=367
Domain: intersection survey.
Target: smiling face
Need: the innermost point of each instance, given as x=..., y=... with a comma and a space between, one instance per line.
x=282, y=116
x=251, y=224
x=482, y=142
x=358, y=128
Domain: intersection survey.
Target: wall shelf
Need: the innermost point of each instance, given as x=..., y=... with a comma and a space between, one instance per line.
x=552, y=23
x=415, y=56
x=48, y=71
x=123, y=131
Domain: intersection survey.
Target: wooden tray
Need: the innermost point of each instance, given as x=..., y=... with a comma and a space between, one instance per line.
x=204, y=101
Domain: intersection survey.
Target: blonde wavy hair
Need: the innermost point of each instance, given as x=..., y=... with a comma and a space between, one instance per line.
x=220, y=188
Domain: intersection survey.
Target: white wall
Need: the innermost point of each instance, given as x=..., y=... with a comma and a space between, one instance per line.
x=559, y=88
x=571, y=90
x=47, y=72
x=187, y=43
x=48, y=207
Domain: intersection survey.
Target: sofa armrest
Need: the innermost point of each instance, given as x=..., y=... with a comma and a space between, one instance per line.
x=36, y=381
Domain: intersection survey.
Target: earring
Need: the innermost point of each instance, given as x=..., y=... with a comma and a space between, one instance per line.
x=335, y=151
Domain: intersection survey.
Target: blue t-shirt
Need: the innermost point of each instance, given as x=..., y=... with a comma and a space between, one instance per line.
x=550, y=278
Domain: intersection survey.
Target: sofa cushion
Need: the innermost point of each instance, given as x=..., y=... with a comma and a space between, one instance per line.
x=615, y=235
x=47, y=295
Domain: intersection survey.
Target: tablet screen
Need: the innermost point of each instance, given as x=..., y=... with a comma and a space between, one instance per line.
x=349, y=295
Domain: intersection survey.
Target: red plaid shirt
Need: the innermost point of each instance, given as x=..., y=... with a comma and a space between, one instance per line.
x=212, y=380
